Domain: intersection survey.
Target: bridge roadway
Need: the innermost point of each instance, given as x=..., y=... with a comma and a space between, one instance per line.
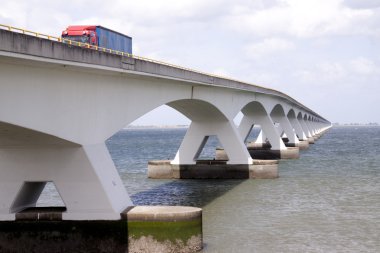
x=60, y=103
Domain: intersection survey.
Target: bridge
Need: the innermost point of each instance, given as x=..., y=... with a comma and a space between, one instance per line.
x=59, y=103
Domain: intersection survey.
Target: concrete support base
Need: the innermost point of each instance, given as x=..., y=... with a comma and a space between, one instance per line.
x=317, y=136
x=257, y=152
x=255, y=145
x=302, y=145
x=310, y=140
x=213, y=169
x=288, y=153
x=140, y=229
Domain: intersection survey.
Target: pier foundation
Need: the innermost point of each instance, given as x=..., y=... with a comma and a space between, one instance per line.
x=213, y=169
x=264, y=153
x=302, y=145
x=139, y=229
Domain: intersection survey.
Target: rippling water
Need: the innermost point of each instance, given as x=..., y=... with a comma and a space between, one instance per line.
x=326, y=201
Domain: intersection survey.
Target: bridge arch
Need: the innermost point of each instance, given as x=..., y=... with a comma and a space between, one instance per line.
x=197, y=110
x=207, y=120
x=254, y=113
x=285, y=127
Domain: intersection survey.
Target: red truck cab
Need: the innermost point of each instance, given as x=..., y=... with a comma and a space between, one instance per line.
x=81, y=33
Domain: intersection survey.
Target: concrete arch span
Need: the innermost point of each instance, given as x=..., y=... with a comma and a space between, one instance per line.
x=206, y=120
x=285, y=126
x=296, y=125
x=254, y=113
x=78, y=105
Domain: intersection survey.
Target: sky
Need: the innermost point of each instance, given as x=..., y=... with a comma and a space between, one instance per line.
x=323, y=53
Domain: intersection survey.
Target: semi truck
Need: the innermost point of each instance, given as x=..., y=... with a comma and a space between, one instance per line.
x=98, y=36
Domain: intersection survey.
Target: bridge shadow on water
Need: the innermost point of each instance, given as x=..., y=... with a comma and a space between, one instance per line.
x=197, y=193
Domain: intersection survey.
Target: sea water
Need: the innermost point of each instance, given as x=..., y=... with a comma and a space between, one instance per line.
x=328, y=200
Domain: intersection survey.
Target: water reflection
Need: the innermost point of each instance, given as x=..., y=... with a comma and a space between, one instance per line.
x=196, y=193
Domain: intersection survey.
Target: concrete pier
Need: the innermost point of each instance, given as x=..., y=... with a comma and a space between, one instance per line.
x=310, y=140
x=264, y=153
x=302, y=145
x=164, y=229
x=288, y=153
x=213, y=169
x=139, y=229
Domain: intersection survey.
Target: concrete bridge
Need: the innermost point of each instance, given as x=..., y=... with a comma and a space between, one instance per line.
x=60, y=103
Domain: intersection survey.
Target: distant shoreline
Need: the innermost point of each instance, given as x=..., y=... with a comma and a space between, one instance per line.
x=358, y=125
x=187, y=126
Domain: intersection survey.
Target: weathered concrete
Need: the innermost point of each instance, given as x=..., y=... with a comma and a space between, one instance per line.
x=264, y=169
x=258, y=152
x=213, y=169
x=46, y=236
x=164, y=229
x=254, y=145
x=288, y=153
x=140, y=229
x=318, y=136
x=302, y=145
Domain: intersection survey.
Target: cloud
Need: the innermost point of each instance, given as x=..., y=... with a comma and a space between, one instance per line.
x=363, y=4
x=221, y=72
x=344, y=73
x=268, y=47
x=364, y=66
x=322, y=74
x=303, y=19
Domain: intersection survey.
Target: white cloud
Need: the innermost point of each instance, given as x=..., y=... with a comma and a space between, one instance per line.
x=341, y=74
x=300, y=18
x=363, y=4
x=334, y=71
x=323, y=74
x=268, y=47
x=221, y=72
x=364, y=66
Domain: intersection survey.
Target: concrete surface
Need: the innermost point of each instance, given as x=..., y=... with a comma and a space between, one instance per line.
x=213, y=169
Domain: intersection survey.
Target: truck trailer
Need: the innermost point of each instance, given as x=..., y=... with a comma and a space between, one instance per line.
x=98, y=36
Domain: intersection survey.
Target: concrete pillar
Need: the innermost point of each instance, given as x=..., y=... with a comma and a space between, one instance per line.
x=234, y=161
x=245, y=128
x=138, y=229
x=258, y=150
x=287, y=128
x=84, y=176
x=260, y=142
x=297, y=127
x=197, y=135
x=304, y=127
x=268, y=130
x=310, y=126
